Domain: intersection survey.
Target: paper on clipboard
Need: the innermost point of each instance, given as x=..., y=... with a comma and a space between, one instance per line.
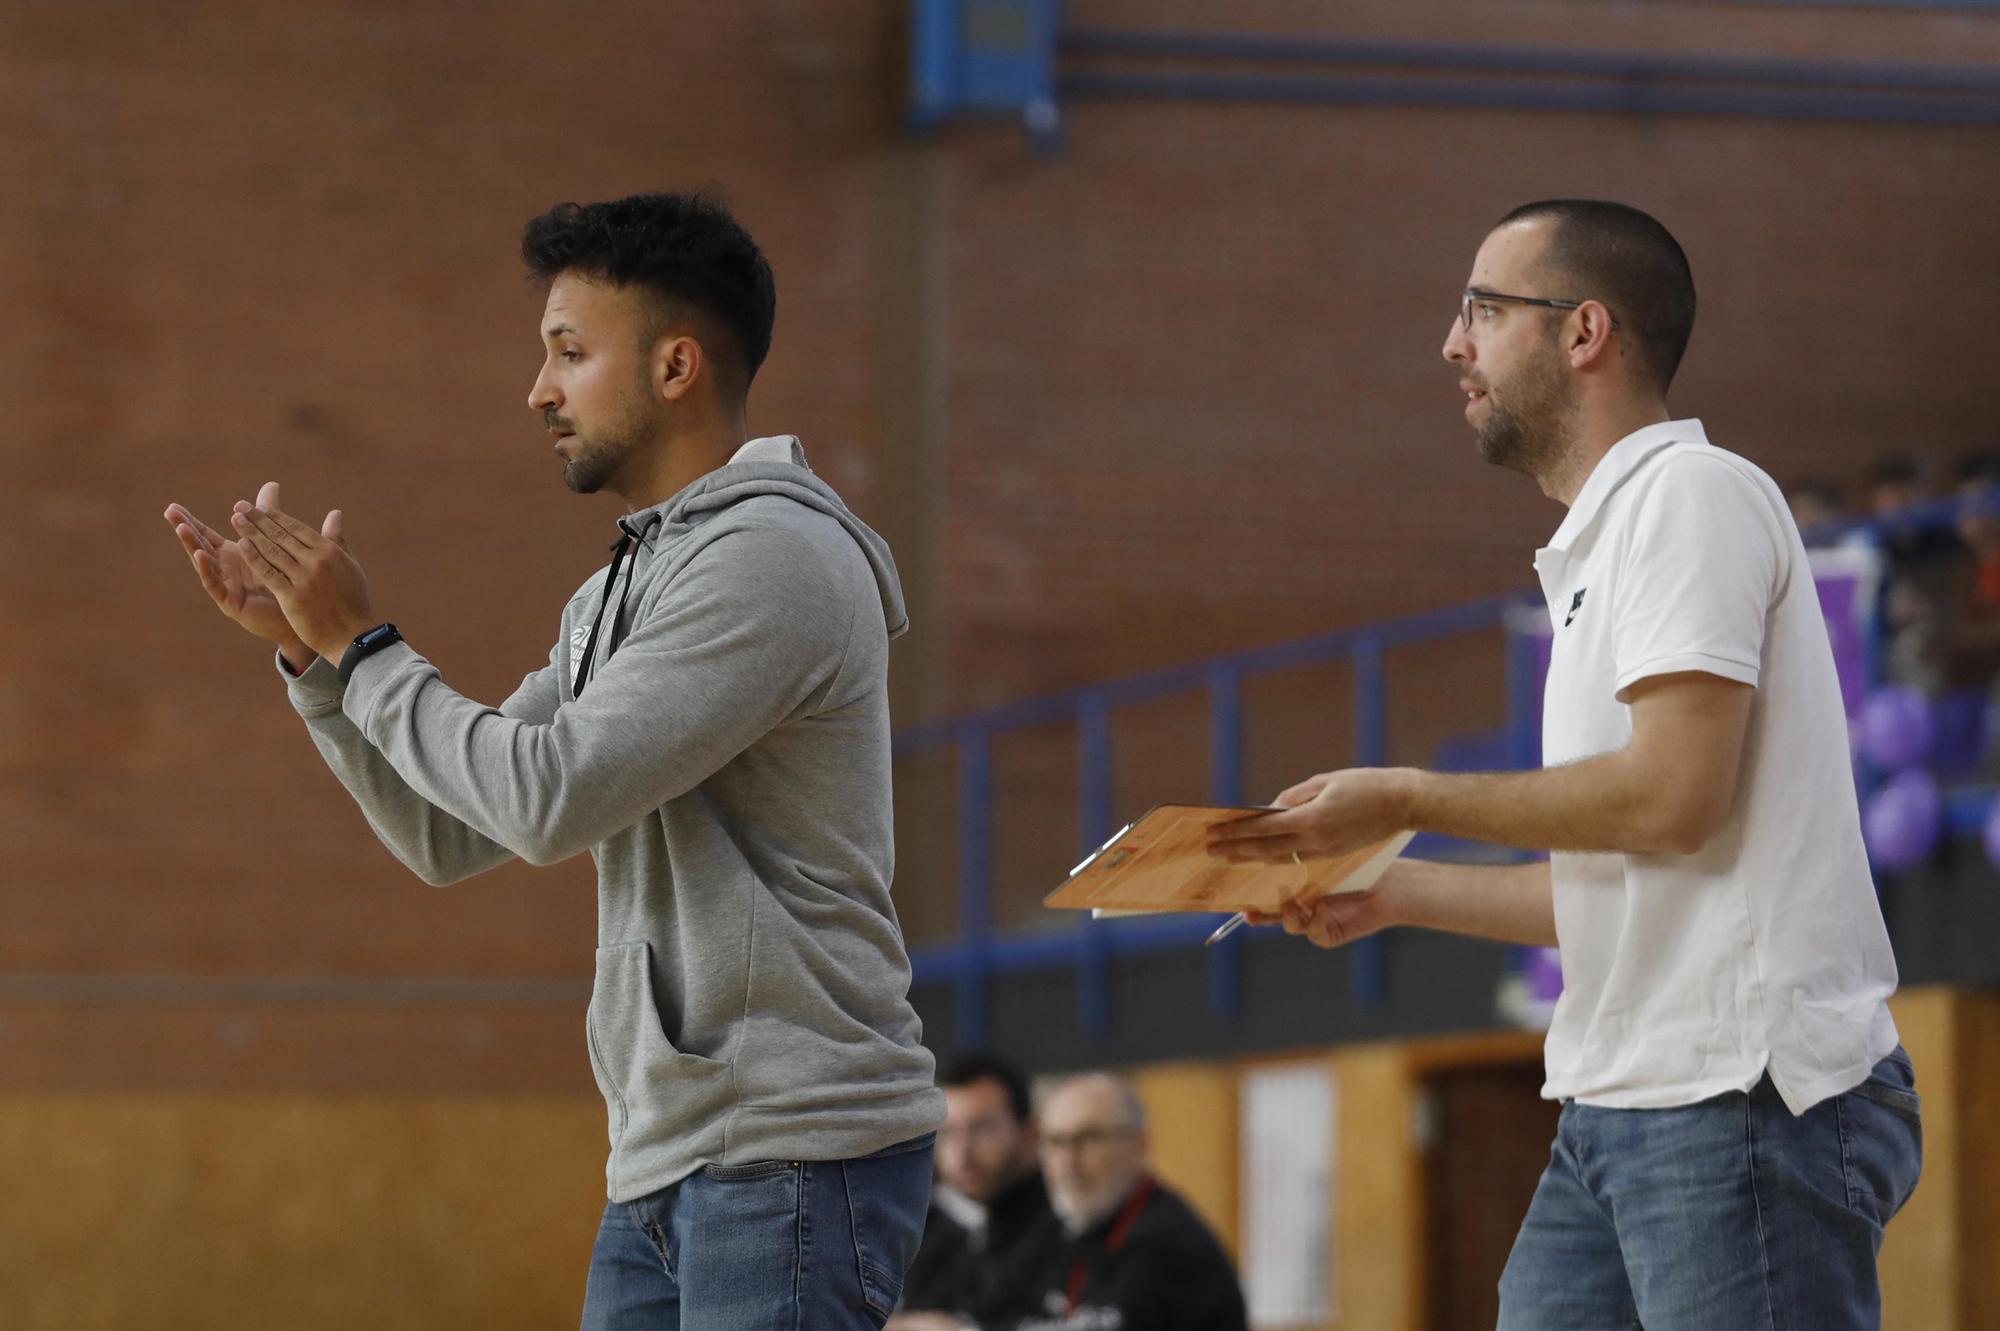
x=1161, y=864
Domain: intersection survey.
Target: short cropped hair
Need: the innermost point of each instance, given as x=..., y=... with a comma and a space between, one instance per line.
x=970, y=1069
x=1623, y=258
x=684, y=249
x=1894, y=469
x=1130, y=1105
x=1981, y=466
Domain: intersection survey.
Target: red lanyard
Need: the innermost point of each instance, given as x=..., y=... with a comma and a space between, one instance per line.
x=1120, y=1229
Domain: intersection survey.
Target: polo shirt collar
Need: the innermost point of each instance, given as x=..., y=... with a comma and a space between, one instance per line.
x=1612, y=469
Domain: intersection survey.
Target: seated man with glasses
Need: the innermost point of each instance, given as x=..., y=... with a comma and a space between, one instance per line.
x=1138, y=1258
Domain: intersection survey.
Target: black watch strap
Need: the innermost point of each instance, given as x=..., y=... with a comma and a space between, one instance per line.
x=366, y=645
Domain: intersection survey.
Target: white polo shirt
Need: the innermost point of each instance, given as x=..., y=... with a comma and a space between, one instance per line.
x=1685, y=976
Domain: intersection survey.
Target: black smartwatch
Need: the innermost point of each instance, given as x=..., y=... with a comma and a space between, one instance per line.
x=366, y=645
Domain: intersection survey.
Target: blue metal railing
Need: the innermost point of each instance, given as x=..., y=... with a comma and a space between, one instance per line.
x=1091, y=946
x=977, y=953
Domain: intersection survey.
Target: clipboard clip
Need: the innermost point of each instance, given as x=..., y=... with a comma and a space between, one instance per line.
x=1091, y=858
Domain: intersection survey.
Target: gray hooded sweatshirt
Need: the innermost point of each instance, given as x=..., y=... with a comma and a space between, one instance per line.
x=727, y=764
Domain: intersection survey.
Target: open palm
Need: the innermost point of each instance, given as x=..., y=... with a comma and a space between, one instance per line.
x=226, y=576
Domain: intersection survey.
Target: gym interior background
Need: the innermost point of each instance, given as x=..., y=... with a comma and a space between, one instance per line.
x=1134, y=362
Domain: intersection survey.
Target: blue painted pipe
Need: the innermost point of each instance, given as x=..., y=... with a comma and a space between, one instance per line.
x=1467, y=58
x=1637, y=97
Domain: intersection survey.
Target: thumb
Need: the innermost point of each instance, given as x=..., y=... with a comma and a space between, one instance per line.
x=332, y=528
x=1302, y=792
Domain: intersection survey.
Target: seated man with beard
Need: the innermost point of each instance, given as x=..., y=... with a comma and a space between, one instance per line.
x=1138, y=1258
x=990, y=1237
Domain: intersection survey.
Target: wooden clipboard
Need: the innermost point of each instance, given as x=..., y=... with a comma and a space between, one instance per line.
x=1161, y=863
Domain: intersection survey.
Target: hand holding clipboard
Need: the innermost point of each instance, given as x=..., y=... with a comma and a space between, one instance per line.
x=1163, y=862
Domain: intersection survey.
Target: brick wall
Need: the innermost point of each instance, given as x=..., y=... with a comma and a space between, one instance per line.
x=1172, y=392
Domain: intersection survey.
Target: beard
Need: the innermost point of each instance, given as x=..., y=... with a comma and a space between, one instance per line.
x=1531, y=430
x=1080, y=1209
x=600, y=454
x=597, y=460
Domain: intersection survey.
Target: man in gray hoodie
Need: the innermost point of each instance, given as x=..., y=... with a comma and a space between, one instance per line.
x=713, y=727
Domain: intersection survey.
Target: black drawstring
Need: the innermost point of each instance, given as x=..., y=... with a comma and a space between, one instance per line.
x=618, y=553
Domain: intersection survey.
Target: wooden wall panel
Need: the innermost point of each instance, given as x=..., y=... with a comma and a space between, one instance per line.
x=309, y=1213
x=1378, y=1194
x=1922, y=1265
x=1192, y=1111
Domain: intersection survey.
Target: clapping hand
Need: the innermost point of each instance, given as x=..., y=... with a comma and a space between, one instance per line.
x=315, y=581
x=224, y=570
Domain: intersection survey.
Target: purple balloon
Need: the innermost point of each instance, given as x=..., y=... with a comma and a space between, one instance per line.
x=1545, y=975
x=1903, y=820
x=1896, y=727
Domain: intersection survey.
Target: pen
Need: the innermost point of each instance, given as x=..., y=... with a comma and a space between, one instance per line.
x=1240, y=918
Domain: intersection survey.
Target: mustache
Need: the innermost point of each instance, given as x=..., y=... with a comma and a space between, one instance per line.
x=555, y=422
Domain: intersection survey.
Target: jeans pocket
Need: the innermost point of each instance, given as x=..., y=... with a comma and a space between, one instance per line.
x=1892, y=1083
x=888, y=1194
x=1882, y=1119
x=754, y=1170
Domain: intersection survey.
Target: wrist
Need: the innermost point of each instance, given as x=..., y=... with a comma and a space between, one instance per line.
x=339, y=640
x=1408, y=791
x=1401, y=895
x=297, y=655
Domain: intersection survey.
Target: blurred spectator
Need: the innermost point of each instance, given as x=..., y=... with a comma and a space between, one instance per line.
x=1139, y=1258
x=1977, y=489
x=1816, y=504
x=1920, y=572
x=991, y=1236
x=1969, y=647
x=1895, y=483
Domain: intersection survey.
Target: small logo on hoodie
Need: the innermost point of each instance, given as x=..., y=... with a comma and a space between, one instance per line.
x=577, y=638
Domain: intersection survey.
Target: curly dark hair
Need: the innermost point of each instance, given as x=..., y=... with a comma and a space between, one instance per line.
x=684, y=249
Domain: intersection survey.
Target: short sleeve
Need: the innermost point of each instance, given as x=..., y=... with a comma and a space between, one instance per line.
x=1705, y=562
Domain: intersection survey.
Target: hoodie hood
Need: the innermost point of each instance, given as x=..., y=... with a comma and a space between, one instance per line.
x=774, y=465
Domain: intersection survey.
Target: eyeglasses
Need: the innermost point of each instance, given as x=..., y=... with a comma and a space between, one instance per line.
x=1473, y=296
x=1085, y=1139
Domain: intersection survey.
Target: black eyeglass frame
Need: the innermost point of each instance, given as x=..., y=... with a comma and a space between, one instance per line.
x=1474, y=296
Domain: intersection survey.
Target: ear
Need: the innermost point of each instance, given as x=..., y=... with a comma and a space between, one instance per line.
x=1589, y=332
x=678, y=361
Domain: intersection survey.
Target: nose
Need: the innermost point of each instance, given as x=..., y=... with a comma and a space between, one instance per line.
x=544, y=395
x=1457, y=346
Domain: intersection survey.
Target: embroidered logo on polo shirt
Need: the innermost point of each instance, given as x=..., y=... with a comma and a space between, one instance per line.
x=1575, y=604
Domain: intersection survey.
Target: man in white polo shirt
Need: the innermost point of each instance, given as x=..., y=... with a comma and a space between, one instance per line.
x=1739, y=1121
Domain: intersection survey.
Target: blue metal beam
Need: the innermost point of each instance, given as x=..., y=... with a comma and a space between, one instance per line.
x=1225, y=786
x=1635, y=99
x=1093, y=944
x=1524, y=79
x=1567, y=62
x=975, y=881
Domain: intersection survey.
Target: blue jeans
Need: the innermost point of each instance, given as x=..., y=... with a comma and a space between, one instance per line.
x=1726, y=1215
x=777, y=1246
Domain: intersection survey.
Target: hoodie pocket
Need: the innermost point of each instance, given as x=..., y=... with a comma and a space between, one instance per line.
x=638, y=1070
